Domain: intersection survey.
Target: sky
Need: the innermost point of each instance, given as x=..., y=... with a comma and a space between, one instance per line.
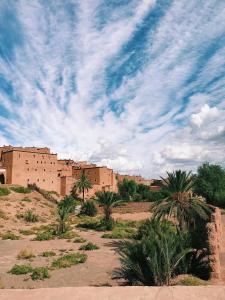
x=137, y=85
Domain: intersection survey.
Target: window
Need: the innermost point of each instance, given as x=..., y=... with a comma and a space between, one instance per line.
x=44, y=170
x=52, y=182
x=26, y=162
x=28, y=180
x=43, y=179
x=28, y=169
x=38, y=180
x=35, y=169
x=37, y=161
x=34, y=155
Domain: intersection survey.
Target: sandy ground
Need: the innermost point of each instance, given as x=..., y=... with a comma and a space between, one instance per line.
x=118, y=293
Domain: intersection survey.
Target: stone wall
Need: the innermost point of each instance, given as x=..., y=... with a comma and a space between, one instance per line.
x=214, y=232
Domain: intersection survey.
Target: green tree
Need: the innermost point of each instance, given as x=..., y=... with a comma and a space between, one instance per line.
x=210, y=183
x=63, y=215
x=154, y=259
x=181, y=204
x=127, y=189
x=69, y=202
x=108, y=200
x=83, y=184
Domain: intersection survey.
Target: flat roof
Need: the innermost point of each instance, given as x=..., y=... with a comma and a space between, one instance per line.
x=36, y=152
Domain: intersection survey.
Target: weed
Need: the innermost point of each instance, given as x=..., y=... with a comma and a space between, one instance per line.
x=20, y=189
x=44, y=236
x=29, y=216
x=26, y=231
x=3, y=215
x=79, y=240
x=40, y=273
x=190, y=280
x=89, y=246
x=21, y=269
x=48, y=253
x=26, y=253
x=69, y=260
x=26, y=199
x=10, y=236
x=4, y=191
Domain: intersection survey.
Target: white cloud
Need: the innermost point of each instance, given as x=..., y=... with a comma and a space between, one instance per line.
x=206, y=114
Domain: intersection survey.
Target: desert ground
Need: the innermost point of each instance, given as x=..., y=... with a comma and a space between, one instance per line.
x=96, y=271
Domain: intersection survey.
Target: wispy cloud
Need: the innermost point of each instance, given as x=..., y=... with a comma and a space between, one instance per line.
x=138, y=85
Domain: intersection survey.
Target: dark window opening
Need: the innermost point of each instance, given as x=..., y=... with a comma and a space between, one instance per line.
x=2, y=179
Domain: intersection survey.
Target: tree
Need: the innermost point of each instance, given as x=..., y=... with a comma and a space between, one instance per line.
x=127, y=189
x=155, y=258
x=69, y=202
x=210, y=183
x=63, y=215
x=108, y=200
x=83, y=184
x=181, y=205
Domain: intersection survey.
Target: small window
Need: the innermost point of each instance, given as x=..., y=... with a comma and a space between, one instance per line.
x=44, y=170
x=28, y=169
x=35, y=169
x=41, y=162
x=34, y=155
x=43, y=179
x=52, y=182
x=28, y=180
x=38, y=180
x=26, y=162
x=37, y=161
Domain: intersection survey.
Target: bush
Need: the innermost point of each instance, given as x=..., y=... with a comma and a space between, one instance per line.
x=190, y=280
x=120, y=233
x=48, y=253
x=10, y=236
x=89, y=209
x=40, y=273
x=154, y=259
x=29, y=216
x=4, y=191
x=89, y=246
x=3, y=215
x=27, y=231
x=26, y=199
x=79, y=240
x=21, y=189
x=21, y=269
x=69, y=260
x=44, y=236
x=26, y=253
x=67, y=235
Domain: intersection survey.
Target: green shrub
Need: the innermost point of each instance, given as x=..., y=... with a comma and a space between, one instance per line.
x=93, y=224
x=40, y=273
x=4, y=191
x=21, y=189
x=29, y=216
x=190, y=280
x=44, y=236
x=21, y=269
x=69, y=260
x=79, y=240
x=120, y=233
x=10, y=236
x=67, y=235
x=154, y=259
x=26, y=199
x=89, y=246
x=89, y=209
x=48, y=253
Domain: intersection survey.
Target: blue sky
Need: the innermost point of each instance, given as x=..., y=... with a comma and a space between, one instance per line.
x=136, y=85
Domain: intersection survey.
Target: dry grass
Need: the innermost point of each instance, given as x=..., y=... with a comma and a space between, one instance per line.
x=26, y=253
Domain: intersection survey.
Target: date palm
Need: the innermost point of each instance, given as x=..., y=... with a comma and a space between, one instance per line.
x=83, y=184
x=181, y=205
x=63, y=215
x=108, y=200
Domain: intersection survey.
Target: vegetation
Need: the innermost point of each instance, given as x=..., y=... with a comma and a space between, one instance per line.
x=127, y=189
x=26, y=253
x=63, y=215
x=210, y=183
x=155, y=258
x=4, y=191
x=181, y=205
x=79, y=240
x=44, y=236
x=89, y=209
x=21, y=269
x=40, y=273
x=21, y=189
x=26, y=200
x=83, y=184
x=69, y=260
x=48, y=253
x=3, y=215
x=89, y=246
x=26, y=231
x=68, y=202
x=29, y=216
x=108, y=200
x=190, y=280
x=10, y=236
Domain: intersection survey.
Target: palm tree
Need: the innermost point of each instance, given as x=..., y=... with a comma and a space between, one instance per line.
x=108, y=200
x=181, y=204
x=63, y=214
x=83, y=184
x=155, y=258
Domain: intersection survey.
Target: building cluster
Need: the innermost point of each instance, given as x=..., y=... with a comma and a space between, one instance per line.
x=31, y=165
